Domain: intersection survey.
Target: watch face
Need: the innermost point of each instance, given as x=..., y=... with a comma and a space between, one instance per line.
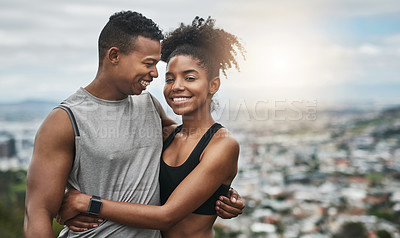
x=95, y=206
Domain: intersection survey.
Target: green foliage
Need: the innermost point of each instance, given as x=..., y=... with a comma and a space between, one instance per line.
x=387, y=214
x=56, y=228
x=375, y=177
x=352, y=230
x=383, y=234
x=12, y=203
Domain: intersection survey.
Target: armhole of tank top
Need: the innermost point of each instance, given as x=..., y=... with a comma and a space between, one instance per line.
x=72, y=118
x=154, y=104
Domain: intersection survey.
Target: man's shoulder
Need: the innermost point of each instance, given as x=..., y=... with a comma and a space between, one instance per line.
x=74, y=99
x=143, y=98
x=144, y=94
x=56, y=125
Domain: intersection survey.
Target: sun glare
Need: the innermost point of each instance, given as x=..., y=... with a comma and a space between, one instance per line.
x=284, y=65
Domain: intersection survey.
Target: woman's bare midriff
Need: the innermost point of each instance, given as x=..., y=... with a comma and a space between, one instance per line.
x=193, y=226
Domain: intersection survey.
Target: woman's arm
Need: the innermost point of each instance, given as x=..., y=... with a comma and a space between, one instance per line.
x=227, y=208
x=218, y=165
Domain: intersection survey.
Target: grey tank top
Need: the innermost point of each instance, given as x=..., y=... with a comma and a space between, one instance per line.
x=117, y=154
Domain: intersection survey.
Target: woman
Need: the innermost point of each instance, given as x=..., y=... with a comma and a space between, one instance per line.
x=199, y=159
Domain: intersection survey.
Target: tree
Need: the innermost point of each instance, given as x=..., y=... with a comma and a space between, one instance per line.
x=383, y=234
x=352, y=230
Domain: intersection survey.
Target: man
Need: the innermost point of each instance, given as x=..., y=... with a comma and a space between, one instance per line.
x=103, y=141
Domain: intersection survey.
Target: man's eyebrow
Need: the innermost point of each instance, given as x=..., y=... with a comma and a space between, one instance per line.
x=152, y=59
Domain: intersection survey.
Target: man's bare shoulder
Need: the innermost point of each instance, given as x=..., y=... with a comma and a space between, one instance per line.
x=56, y=128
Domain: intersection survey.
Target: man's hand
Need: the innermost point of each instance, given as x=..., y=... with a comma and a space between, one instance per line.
x=83, y=222
x=71, y=203
x=231, y=207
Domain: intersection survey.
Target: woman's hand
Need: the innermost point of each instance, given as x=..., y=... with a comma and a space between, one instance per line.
x=73, y=204
x=231, y=207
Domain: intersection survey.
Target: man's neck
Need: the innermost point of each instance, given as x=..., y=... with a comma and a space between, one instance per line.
x=101, y=88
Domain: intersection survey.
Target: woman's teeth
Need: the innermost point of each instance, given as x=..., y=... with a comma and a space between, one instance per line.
x=179, y=99
x=144, y=83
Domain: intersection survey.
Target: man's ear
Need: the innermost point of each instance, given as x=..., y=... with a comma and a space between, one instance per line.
x=214, y=85
x=113, y=55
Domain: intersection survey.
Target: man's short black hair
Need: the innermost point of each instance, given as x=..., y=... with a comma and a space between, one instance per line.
x=123, y=28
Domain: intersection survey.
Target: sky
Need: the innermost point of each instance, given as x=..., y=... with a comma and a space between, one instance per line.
x=329, y=51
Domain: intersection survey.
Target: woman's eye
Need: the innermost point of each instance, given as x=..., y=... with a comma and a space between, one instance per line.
x=169, y=80
x=190, y=78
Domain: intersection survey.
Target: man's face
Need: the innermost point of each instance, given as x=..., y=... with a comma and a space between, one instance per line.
x=137, y=69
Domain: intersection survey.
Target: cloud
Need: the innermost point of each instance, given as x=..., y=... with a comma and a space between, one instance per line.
x=49, y=48
x=369, y=49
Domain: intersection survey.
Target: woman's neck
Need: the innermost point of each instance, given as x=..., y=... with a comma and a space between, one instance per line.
x=192, y=124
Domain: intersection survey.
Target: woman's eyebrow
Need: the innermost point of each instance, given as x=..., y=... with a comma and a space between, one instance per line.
x=185, y=72
x=190, y=71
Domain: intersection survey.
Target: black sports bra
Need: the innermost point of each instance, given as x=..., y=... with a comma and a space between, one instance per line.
x=170, y=177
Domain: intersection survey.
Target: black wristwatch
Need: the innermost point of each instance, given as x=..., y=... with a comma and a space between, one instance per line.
x=95, y=205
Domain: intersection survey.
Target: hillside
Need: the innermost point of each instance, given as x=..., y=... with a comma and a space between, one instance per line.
x=26, y=110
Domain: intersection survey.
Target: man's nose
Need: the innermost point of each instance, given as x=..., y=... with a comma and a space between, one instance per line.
x=154, y=72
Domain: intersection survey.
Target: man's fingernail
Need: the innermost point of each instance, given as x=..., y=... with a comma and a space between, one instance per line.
x=95, y=225
x=217, y=208
x=218, y=203
x=100, y=220
x=234, y=199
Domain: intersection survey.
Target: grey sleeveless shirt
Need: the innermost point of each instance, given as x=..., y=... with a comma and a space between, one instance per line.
x=117, y=155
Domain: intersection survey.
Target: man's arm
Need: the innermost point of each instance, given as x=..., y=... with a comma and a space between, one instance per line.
x=51, y=163
x=168, y=124
x=218, y=165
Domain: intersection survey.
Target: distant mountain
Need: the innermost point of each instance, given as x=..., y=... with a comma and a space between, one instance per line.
x=392, y=112
x=25, y=110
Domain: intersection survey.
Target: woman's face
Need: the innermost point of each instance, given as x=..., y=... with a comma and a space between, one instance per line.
x=187, y=89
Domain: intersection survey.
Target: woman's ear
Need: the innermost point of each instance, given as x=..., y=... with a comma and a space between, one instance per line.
x=214, y=85
x=113, y=55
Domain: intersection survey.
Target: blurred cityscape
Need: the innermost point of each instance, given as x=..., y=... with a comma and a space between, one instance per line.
x=315, y=173
x=304, y=171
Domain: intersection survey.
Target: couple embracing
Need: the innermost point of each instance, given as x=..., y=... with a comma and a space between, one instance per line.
x=144, y=174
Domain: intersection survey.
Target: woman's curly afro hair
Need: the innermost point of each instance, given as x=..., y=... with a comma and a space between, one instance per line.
x=215, y=48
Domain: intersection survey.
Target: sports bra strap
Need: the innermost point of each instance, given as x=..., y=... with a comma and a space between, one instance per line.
x=171, y=137
x=206, y=138
x=71, y=117
x=203, y=141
